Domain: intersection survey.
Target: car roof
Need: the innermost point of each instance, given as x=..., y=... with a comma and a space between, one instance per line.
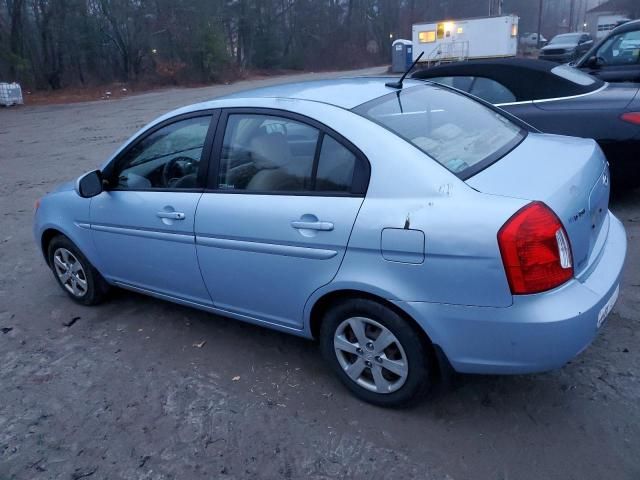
x=527, y=79
x=626, y=27
x=345, y=93
x=570, y=34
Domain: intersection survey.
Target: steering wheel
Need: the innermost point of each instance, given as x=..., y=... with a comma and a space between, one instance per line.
x=177, y=168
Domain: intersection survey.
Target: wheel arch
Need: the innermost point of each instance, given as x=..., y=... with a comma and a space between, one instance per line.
x=323, y=303
x=442, y=365
x=45, y=239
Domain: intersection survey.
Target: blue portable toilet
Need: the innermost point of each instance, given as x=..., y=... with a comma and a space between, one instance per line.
x=401, y=55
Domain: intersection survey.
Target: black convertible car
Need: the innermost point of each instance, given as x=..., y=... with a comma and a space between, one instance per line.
x=557, y=99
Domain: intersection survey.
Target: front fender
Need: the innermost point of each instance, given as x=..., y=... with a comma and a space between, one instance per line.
x=68, y=213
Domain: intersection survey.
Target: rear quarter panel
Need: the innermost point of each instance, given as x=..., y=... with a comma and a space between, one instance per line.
x=462, y=263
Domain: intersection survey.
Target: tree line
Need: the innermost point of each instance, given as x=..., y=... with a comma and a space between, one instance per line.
x=50, y=44
x=57, y=43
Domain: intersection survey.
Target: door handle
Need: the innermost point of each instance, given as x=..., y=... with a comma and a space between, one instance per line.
x=322, y=226
x=171, y=215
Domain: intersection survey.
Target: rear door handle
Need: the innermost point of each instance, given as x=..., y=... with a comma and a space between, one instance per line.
x=322, y=226
x=171, y=215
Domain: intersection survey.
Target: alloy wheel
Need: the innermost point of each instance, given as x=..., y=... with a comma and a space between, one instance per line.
x=70, y=272
x=370, y=355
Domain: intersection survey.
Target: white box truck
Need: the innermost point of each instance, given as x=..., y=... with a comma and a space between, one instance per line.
x=472, y=38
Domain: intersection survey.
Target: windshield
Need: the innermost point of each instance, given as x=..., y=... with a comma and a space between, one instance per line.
x=461, y=134
x=567, y=38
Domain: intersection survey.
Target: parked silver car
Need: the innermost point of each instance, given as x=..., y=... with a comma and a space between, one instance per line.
x=405, y=228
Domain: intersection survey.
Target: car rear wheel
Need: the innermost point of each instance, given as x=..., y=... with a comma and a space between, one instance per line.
x=75, y=274
x=376, y=353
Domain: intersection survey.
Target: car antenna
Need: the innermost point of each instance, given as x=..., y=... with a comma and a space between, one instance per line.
x=398, y=84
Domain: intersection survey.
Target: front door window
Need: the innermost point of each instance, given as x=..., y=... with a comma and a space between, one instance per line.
x=168, y=158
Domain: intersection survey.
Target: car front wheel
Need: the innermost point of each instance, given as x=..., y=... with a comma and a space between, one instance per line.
x=74, y=273
x=376, y=353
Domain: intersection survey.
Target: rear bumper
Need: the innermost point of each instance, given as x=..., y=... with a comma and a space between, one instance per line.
x=537, y=332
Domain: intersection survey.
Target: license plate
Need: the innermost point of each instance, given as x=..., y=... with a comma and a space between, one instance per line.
x=606, y=310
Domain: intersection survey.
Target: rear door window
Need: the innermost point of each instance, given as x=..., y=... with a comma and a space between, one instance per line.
x=335, y=167
x=263, y=153
x=267, y=153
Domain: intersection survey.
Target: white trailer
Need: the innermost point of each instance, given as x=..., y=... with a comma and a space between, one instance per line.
x=453, y=40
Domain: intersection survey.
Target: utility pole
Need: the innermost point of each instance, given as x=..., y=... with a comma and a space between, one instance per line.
x=571, y=12
x=540, y=10
x=495, y=7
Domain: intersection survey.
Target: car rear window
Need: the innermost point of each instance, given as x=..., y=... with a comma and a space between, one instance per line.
x=463, y=135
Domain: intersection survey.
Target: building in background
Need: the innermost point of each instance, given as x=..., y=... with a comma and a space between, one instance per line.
x=605, y=17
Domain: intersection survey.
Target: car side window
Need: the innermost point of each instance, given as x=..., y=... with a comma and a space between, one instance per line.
x=622, y=49
x=336, y=165
x=168, y=158
x=491, y=91
x=461, y=83
x=267, y=153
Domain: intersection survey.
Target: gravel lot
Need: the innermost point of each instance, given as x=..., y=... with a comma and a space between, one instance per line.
x=123, y=393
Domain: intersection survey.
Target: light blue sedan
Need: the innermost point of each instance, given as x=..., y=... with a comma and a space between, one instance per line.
x=407, y=228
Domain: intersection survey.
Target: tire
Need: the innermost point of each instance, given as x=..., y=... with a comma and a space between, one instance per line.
x=376, y=384
x=74, y=273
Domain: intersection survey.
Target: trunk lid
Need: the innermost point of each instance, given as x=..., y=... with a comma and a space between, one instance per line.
x=570, y=175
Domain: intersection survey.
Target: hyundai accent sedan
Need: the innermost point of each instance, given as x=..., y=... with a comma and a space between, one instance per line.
x=407, y=228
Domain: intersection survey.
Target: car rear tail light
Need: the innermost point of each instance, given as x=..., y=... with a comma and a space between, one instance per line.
x=535, y=250
x=631, y=117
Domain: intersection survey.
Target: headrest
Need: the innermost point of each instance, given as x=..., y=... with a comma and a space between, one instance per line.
x=270, y=151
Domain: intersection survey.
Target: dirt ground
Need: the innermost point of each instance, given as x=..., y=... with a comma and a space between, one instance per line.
x=122, y=393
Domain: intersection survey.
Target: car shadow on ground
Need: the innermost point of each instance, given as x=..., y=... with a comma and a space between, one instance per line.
x=235, y=348
x=624, y=198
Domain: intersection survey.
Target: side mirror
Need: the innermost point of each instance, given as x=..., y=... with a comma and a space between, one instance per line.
x=90, y=184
